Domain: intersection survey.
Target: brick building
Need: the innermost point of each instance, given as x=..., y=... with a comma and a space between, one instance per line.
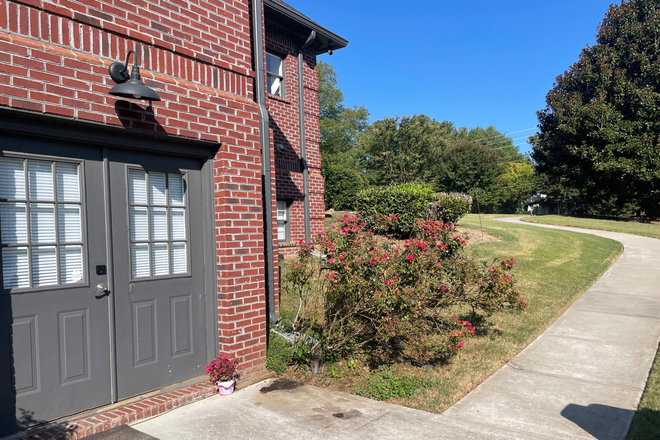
x=135, y=241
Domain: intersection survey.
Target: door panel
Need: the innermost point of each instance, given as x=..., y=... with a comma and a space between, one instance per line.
x=159, y=270
x=54, y=332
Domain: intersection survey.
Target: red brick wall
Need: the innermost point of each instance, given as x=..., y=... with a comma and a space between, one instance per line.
x=285, y=124
x=54, y=57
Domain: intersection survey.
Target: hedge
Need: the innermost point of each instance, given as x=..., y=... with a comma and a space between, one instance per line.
x=406, y=202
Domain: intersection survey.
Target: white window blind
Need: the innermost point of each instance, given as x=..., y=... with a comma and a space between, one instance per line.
x=41, y=228
x=275, y=74
x=157, y=216
x=282, y=220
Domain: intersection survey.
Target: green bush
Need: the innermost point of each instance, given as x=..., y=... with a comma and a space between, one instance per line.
x=278, y=355
x=386, y=384
x=406, y=203
x=342, y=183
x=450, y=207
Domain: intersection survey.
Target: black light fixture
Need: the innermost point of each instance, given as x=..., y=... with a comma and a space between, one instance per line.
x=330, y=47
x=133, y=87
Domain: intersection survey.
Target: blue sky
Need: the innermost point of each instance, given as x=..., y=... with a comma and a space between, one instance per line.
x=472, y=62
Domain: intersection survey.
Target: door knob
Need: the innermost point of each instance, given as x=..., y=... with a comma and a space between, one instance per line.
x=101, y=288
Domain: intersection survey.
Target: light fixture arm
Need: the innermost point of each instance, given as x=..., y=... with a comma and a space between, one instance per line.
x=119, y=71
x=132, y=88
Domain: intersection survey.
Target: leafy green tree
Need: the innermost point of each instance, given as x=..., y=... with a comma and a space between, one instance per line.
x=403, y=149
x=600, y=131
x=494, y=139
x=510, y=189
x=466, y=165
x=339, y=126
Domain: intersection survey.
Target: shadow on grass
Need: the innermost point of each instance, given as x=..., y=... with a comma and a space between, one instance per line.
x=605, y=422
x=645, y=425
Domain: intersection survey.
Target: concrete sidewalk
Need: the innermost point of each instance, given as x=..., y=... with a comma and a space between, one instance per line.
x=582, y=378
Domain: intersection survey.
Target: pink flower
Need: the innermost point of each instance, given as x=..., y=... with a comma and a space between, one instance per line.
x=346, y=267
x=410, y=257
x=460, y=344
x=359, y=259
x=331, y=260
x=332, y=248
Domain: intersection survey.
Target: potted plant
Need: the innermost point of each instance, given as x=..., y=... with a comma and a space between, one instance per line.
x=222, y=371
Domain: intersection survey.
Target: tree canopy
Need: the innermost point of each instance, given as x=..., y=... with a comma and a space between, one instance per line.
x=493, y=138
x=466, y=165
x=600, y=131
x=396, y=150
x=403, y=149
x=339, y=126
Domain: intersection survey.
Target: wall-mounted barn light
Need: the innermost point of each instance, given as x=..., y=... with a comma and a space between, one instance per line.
x=133, y=87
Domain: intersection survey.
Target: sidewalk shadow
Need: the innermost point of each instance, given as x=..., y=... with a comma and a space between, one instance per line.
x=603, y=422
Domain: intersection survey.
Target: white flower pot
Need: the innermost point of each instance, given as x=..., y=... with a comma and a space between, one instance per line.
x=225, y=388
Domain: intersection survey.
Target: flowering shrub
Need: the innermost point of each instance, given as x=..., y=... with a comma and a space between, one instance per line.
x=389, y=298
x=222, y=368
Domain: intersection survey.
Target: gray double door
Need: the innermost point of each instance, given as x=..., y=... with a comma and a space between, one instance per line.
x=102, y=276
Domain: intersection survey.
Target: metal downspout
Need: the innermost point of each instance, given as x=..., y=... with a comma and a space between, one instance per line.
x=264, y=130
x=303, y=147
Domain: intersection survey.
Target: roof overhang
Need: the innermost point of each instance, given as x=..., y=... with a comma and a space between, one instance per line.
x=289, y=22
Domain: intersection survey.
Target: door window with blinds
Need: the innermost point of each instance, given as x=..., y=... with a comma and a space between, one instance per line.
x=40, y=223
x=158, y=226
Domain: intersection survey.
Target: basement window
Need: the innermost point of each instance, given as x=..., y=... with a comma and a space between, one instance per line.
x=275, y=73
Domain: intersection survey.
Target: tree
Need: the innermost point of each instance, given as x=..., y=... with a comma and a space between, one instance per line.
x=600, y=131
x=510, y=189
x=466, y=165
x=494, y=139
x=403, y=149
x=339, y=126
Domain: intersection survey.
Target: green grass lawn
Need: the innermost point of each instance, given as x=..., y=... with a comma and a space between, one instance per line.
x=646, y=424
x=646, y=229
x=553, y=269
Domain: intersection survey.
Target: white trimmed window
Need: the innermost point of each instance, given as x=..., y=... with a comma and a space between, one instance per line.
x=275, y=73
x=158, y=231
x=40, y=223
x=282, y=221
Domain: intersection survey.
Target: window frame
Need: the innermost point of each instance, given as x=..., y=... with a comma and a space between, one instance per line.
x=149, y=241
x=286, y=223
x=57, y=244
x=281, y=77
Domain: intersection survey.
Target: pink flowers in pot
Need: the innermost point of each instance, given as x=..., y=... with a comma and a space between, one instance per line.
x=222, y=368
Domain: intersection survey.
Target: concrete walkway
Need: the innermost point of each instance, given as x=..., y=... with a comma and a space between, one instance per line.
x=582, y=378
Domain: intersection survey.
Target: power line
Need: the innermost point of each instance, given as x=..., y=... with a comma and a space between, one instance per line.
x=505, y=134
x=508, y=146
x=506, y=139
x=519, y=186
